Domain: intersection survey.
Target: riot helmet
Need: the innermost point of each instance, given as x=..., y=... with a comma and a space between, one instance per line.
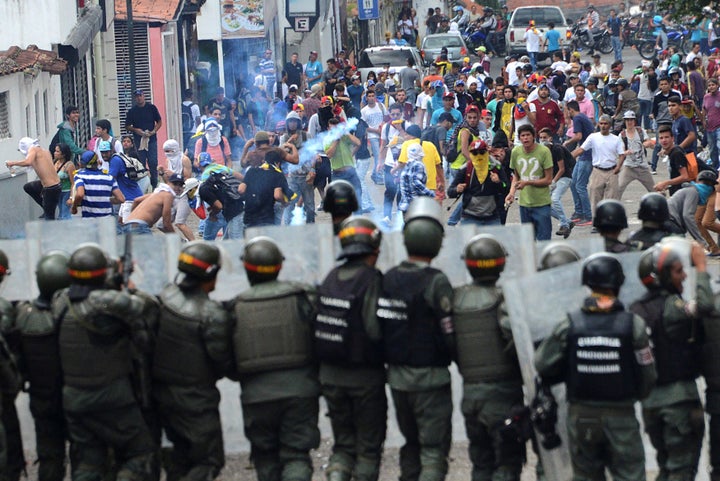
x=557, y=254
x=199, y=260
x=262, y=260
x=646, y=270
x=664, y=258
x=88, y=265
x=602, y=271
x=485, y=257
x=340, y=199
x=4, y=265
x=51, y=273
x=423, y=231
x=610, y=215
x=359, y=236
x=654, y=208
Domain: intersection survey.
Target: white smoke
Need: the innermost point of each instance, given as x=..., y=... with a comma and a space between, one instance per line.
x=316, y=145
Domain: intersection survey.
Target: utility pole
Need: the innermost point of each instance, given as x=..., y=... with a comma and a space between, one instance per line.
x=131, y=48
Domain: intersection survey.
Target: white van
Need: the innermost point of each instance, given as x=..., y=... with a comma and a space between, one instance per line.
x=542, y=15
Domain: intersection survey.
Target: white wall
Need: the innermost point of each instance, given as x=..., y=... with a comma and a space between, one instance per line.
x=208, y=21
x=39, y=22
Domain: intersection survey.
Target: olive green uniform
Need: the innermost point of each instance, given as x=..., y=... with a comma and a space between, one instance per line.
x=192, y=352
x=279, y=383
x=356, y=399
x=711, y=373
x=97, y=329
x=420, y=388
x=40, y=364
x=13, y=449
x=492, y=383
x=601, y=433
x=673, y=414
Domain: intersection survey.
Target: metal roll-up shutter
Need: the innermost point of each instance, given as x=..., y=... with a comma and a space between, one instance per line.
x=76, y=91
x=142, y=65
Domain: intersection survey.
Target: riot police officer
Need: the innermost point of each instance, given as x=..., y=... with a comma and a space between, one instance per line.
x=272, y=340
x=41, y=365
x=711, y=373
x=193, y=350
x=98, y=327
x=673, y=414
x=610, y=219
x=492, y=384
x=654, y=214
x=602, y=353
x=557, y=254
x=415, y=312
x=349, y=348
x=12, y=460
x=340, y=201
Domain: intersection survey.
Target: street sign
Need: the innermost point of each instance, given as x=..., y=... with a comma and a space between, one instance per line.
x=368, y=9
x=302, y=24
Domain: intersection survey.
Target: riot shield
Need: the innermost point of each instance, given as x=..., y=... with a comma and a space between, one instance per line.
x=154, y=260
x=231, y=279
x=392, y=250
x=66, y=235
x=20, y=284
x=449, y=259
x=308, y=250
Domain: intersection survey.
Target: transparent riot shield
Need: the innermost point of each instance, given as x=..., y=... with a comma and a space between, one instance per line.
x=584, y=247
x=66, y=235
x=392, y=250
x=519, y=242
x=20, y=284
x=154, y=260
x=449, y=259
x=308, y=250
x=231, y=279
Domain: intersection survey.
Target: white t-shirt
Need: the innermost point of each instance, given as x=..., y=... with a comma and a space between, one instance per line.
x=194, y=109
x=117, y=147
x=512, y=75
x=421, y=103
x=605, y=149
x=391, y=137
x=374, y=118
x=532, y=40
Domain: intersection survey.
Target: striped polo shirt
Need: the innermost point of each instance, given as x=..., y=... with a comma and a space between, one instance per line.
x=98, y=189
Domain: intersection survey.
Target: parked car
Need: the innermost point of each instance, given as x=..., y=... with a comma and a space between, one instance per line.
x=432, y=44
x=542, y=15
x=375, y=58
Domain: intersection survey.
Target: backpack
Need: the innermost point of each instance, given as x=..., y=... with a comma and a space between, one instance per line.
x=134, y=169
x=222, y=147
x=188, y=123
x=451, y=149
x=430, y=134
x=54, y=142
x=623, y=136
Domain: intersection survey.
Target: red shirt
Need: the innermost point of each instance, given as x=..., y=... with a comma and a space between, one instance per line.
x=547, y=115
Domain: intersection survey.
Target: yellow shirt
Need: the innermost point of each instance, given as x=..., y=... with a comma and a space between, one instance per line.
x=431, y=160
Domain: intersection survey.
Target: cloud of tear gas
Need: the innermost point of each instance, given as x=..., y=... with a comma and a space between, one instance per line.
x=316, y=145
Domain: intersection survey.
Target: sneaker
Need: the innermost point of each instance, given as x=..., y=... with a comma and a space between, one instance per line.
x=594, y=230
x=575, y=218
x=387, y=221
x=654, y=172
x=714, y=254
x=584, y=223
x=563, y=231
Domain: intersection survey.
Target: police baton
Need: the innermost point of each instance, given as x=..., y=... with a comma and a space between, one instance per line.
x=449, y=208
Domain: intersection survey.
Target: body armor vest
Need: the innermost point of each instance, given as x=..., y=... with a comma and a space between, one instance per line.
x=675, y=360
x=339, y=331
x=271, y=333
x=95, y=348
x=601, y=359
x=411, y=333
x=180, y=355
x=646, y=238
x=39, y=349
x=711, y=351
x=476, y=324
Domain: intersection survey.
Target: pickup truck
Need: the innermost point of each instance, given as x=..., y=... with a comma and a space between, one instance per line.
x=542, y=15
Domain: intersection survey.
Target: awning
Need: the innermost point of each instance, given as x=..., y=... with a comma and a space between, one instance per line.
x=81, y=37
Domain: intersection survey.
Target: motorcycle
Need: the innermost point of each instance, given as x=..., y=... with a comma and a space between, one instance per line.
x=476, y=36
x=678, y=37
x=601, y=38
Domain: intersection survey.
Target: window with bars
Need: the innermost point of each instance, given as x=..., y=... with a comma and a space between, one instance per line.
x=4, y=116
x=46, y=110
x=142, y=65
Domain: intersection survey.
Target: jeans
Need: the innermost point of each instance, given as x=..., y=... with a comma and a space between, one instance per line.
x=63, y=208
x=375, y=148
x=46, y=197
x=656, y=152
x=480, y=222
x=645, y=111
x=533, y=60
x=234, y=228
x=392, y=194
x=617, y=47
x=307, y=191
x=349, y=174
x=539, y=217
x=457, y=212
x=704, y=46
x=149, y=157
x=557, y=211
x=713, y=140
x=578, y=187
x=136, y=228
x=212, y=227
x=362, y=166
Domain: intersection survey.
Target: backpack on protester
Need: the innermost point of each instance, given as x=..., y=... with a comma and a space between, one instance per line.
x=188, y=123
x=451, y=147
x=204, y=147
x=54, y=142
x=134, y=169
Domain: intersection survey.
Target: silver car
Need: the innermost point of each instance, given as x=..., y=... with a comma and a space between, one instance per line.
x=432, y=44
x=375, y=58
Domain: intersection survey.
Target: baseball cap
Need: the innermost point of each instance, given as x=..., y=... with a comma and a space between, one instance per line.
x=437, y=84
x=139, y=92
x=415, y=152
x=370, y=83
x=88, y=158
x=543, y=86
x=481, y=48
x=459, y=83
x=176, y=179
x=629, y=115
x=414, y=130
x=104, y=146
x=212, y=124
x=480, y=145
x=293, y=87
x=449, y=95
x=299, y=107
x=204, y=159
x=484, y=113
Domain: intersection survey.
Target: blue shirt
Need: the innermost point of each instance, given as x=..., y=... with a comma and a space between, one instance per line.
x=128, y=187
x=355, y=92
x=313, y=69
x=98, y=189
x=553, y=40
x=681, y=127
x=582, y=124
x=456, y=115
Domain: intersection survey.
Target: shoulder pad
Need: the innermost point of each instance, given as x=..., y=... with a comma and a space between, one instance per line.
x=7, y=315
x=272, y=290
x=186, y=304
x=116, y=303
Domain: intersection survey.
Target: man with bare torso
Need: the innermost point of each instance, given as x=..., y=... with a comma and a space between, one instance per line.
x=46, y=191
x=150, y=208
